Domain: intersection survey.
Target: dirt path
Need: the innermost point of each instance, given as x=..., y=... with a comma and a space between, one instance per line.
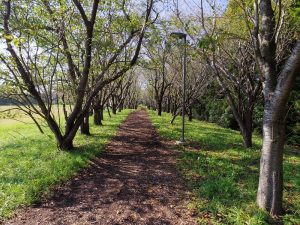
x=133, y=182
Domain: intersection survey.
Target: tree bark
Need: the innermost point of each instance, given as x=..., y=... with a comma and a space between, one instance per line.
x=120, y=108
x=174, y=117
x=97, y=116
x=169, y=105
x=108, y=111
x=276, y=93
x=159, y=108
x=85, y=126
x=190, y=114
x=270, y=188
x=102, y=112
x=247, y=138
x=66, y=144
x=114, y=110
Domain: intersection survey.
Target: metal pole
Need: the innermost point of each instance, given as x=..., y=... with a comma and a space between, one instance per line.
x=183, y=62
x=183, y=86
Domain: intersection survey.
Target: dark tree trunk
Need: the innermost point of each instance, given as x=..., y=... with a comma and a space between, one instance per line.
x=247, y=138
x=159, y=108
x=102, y=112
x=113, y=105
x=247, y=131
x=85, y=126
x=168, y=105
x=245, y=127
x=108, y=111
x=91, y=112
x=66, y=144
x=243, y=118
x=114, y=110
x=120, y=109
x=174, y=117
x=174, y=107
x=190, y=114
x=97, y=116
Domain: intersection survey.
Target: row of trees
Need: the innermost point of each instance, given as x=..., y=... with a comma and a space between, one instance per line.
x=252, y=52
x=72, y=54
x=162, y=69
x=64, y=59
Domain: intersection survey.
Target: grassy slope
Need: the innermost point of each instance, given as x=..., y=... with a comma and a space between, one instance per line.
x=224, y=175
x=30, y=162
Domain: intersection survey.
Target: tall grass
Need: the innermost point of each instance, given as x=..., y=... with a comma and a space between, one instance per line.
x=224, y=175
x=30, y=163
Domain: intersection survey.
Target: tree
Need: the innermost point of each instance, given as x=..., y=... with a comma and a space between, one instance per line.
x=55, y=31
x=277, y=85
x=264, y=22
x=223, y=43
x=158, y=53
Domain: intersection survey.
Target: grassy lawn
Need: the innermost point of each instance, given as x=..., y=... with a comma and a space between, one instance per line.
x=30, y=162
x=224, y=175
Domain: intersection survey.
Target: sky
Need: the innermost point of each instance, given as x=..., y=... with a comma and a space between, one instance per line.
x=190, y=7
x=186, y=7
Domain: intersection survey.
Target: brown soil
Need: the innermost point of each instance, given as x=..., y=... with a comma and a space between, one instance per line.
x=134, y=182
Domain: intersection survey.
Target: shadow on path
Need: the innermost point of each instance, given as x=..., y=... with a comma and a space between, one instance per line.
x=134, y=182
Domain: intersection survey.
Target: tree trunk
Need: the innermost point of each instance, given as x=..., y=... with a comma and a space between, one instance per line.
x=159, y=108
x=247, y=138
x=168, y=105
x=174, y=117
x=114, y=110
x=174, y=107
x=102, y=112
x=108, y=111
x=65, y=144
x=190, y=114
x=246, y=132
x=270, y=188
x=85, y=126
x=97, y=116
x=246, y=128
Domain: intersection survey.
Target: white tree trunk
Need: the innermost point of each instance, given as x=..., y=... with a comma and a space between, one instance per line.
x=270, y=189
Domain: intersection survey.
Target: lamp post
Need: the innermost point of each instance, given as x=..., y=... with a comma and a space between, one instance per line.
x=180, y=35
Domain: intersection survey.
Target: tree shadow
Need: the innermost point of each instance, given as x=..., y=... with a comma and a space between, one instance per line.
x=134, y=181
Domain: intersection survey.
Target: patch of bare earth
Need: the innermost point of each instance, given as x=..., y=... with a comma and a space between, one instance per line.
x=134, y=182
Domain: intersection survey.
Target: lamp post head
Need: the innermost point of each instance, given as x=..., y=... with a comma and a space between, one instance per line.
x=179, y=35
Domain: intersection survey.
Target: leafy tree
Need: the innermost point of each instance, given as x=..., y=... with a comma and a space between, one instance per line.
x=51, y=46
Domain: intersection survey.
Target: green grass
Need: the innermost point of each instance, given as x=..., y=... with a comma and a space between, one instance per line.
x=224, y=175
x=30, y=163
x=9, y=111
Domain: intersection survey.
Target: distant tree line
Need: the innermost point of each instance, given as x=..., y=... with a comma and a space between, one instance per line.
x=67, y=60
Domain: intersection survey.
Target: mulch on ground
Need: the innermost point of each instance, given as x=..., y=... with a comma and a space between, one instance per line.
x=133, y=182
